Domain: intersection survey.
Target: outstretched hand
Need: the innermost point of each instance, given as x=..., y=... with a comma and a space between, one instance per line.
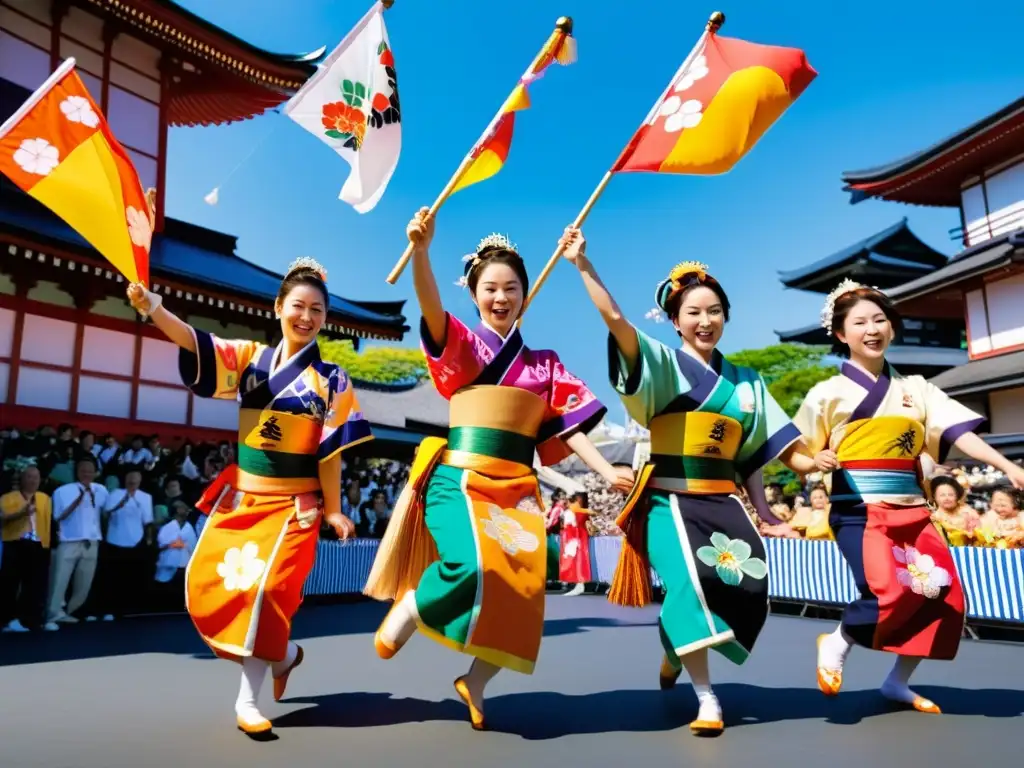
x=573, y=243
x=420, y=230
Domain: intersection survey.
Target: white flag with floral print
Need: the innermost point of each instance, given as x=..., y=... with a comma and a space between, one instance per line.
x=351, y=104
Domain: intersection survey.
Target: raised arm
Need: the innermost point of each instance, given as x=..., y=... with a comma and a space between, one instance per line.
x=979, y=450
x=622, y=330
x=420, y=232
x=173, y=327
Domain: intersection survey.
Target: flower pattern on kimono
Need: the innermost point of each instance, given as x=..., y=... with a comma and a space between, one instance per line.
x=731, y=559
x=921, y=575
x=572, y=548
x=78, y=110
x=37, y=156
x=241, y=568
x=508, y=532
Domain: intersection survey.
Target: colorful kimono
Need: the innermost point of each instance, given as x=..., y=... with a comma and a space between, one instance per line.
x=244, y=581
x=483, y=594
x=911, y=602
x=554, y=541
x=574, y=566
x=710, y=426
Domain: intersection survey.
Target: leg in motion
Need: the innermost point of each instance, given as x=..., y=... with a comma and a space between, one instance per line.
x=896, y=686
x=709, y=712
x=833, y=649
x=250, y=720
x=282, y=669
x=470, y=688
x=398, y=626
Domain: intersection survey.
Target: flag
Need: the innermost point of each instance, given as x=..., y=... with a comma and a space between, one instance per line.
x=351, y=104
x=717, y=108
x=58, y=148
x=491, y=151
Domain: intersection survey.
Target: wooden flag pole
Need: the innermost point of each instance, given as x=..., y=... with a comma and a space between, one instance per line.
x=563, y=27
x=714, y=24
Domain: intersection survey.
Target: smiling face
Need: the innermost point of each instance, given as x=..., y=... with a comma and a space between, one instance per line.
x=499, y=297
x=302, y=313
x=1003, y=504
x=701, y=319
x=867, y=332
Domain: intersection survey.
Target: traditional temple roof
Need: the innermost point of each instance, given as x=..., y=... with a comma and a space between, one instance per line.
x=885, y=259
x=985, y=375
x=199, y=257
x=220, y=78
x=934, y=175
x=990, y=255
x=408, y=408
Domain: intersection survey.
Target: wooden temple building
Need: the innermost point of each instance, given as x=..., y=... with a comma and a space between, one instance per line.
x=71, y=348
x=889, y=258
x=979, y=171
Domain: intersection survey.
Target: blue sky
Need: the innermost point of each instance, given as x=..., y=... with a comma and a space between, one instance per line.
x=888, y=85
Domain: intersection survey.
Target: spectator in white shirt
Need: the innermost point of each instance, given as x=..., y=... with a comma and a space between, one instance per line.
x=176, y=541
x=125, y=559
x=107, y=452
x=137, y=455
x=76, y=511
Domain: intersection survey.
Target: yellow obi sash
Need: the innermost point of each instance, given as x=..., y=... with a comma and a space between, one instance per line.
x=878, y=457
x=493, y=430
x=694, y=452
x=277, y=452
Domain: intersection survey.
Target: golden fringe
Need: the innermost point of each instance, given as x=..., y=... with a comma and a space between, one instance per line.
x=567, y=52
x=631, y=585
x=407, y=547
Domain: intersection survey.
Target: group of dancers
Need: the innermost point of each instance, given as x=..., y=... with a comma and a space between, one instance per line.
x=464, y=559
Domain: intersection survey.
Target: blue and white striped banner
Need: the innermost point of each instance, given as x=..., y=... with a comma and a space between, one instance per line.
x=805, y=571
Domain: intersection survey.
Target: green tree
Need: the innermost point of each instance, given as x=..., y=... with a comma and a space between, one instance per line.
x=789, y=370
x=380, y=365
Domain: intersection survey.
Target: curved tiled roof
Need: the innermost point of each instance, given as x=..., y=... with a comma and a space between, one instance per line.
x=933, y=176
x=886, y=259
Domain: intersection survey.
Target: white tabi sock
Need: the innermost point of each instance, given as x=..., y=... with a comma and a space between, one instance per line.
x=254, y=672
x=896, y=685
x=696, y=666
x=280, y=667
x=834, y=649
x=479, y=675
x=401, y=621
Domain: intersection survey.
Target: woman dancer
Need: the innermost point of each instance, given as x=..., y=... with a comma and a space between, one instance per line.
x=574, y=563
x=710, y=423
x=869, y=426
x=476, y=583
x=244, y=582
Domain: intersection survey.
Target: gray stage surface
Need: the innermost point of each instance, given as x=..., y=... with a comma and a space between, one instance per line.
x=144, y=693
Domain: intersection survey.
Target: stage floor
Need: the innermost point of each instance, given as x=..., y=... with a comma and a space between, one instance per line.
x=143, y=693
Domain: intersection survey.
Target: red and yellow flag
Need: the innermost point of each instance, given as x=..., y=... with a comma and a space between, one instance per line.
x=490, y=152
x=717, y=108
x=59, y=149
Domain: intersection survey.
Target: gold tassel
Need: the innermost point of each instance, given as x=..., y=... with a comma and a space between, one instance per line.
x=407, y=547
x=567, y=53
x=631, y=585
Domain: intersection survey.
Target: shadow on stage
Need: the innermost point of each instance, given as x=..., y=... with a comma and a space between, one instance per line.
x=542, y=716
x=174, y=634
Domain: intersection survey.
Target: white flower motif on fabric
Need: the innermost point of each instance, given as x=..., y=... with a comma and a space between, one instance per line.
x=509, y=534
x=37, y=156
x=572, y=548
x=241, y=568
x=921, y=576
x=681, y=114
x=77, y=109
x=697, y=70
x=655, y=315
x=139, y=227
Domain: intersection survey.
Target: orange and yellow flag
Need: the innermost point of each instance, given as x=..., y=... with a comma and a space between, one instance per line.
x=717, y=108
x=491, y=151
x=59, y=149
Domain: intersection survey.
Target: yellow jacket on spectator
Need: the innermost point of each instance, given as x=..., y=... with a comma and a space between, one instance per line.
x=13, y=502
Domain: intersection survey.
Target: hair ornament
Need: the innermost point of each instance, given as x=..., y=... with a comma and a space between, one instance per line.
x=688, y=273
x=305, y=262
x=828, y=311
x=494, y=240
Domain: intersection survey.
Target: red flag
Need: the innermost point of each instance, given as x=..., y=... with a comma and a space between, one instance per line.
x=717, y=108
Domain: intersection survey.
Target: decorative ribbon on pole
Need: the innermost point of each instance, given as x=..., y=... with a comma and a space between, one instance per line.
x=714, y=24
x=489, y=152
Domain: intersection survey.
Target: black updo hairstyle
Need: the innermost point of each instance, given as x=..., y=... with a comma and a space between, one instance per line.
x=303, y=275
x=671, y=291
x=495, y=254
x=845, y=303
